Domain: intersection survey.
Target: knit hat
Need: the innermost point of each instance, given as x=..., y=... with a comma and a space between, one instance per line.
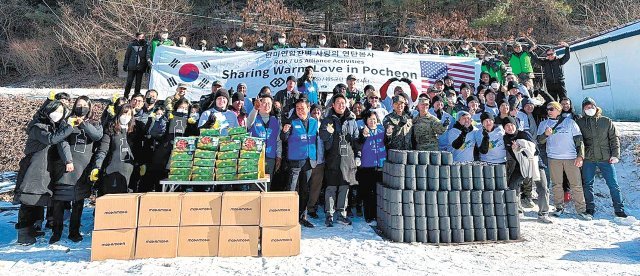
x=291, y=78
x=436, y=98
x=449, y=92
x=588, y=100
x=221, y=93
x=460, y=114
x=447, y=77
x=237, y=97
x=315, y=106
x=509, y=120
x=555, y=105
x=472, y=98
x=486, y=115
x=526, y=101
x=464, y=85
x=511, y=85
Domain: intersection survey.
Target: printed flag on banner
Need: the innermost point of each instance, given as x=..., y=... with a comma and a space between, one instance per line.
x=431, y=71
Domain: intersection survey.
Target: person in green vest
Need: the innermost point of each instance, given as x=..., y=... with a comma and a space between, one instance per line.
x=161, y=39
x=222, y=45
x=282, y=42
x=520, y=62
x=494, y=67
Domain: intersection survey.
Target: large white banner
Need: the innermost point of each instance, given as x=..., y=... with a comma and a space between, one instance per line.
x=197, y=69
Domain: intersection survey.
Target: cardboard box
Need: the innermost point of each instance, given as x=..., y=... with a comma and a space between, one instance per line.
x=240, y=208
x=201, y=209
x=116, y=211
x=281, y=241
x=239, y=241
x=198, y=241
x=279, y=209
x=159, y=209
x=113, y=244
x=157, y=242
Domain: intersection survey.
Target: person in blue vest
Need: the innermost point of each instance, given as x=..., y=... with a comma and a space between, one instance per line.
x=219, y=115
x=266, y=125
x=301, y=134
x=339, y=132
x=371, y=156
x=308, y=86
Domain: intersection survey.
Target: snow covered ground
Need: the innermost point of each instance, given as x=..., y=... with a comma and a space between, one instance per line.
x=604, y=246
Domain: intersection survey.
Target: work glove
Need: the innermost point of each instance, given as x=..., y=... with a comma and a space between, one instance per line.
x=52, y=95
x=115, y=97
x=143, y=170
x=93, y=177
x=191, y=121
x=447, y=122
x=72, y=121
x=358, y=162
x=111, y=110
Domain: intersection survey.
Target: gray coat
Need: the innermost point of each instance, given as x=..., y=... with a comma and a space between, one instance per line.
x=340, y=167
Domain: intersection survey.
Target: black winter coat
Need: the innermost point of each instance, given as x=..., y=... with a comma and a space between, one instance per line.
x=75, y=185
x=340, y=148
x=116, y=154
x=552, y=69
x=135, y=59
x=34, y=175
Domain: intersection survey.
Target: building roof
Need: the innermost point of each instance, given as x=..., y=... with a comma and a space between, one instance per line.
x=617, y=33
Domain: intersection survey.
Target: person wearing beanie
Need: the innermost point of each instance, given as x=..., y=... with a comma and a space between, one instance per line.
x=462, y=138
x=515, y=143
x=398, y=126
x=237, y=107
x=526, y=117
x=490, y=104
x=602, y=147
x=426, y=127
x=448, y=82
x=503, y=111
x=219, y=116
x=490, y=140
x=565, y=153
x=473, y=107
x=465, y=92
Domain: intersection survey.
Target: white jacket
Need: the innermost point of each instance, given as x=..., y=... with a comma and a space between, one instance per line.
x=527, y=159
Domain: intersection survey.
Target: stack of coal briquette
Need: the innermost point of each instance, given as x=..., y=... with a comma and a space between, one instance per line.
x=426, y=197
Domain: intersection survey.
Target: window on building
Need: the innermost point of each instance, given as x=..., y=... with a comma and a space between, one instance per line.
x=594, y=74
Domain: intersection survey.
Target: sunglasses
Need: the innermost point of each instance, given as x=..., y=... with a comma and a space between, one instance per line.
x=550, y=54
x=550, y=109
x=374, y=98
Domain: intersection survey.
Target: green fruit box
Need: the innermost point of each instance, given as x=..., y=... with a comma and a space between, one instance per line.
x=202, y=171
x=228, y=155
x=180, y=171
x=202, y=177
x=184, y=143
x=248, y=163
x=210, y=132
x=253, y=144
x=247, y=169
x=201, y=162
x=225, y=170
x=208, y=143
x=239, y=137
x=249, y=154
x=179, y=177
x=226, y=177
x=248, y=176
x=237, y=130
x=226, y=163
x=230, y=146
x=205, y=154
x=180, y=164
x=181, y=156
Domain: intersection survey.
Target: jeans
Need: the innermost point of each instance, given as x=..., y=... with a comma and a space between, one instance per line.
x=610, y=177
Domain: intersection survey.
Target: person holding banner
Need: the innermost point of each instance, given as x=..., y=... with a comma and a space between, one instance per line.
x=264, y=124
x=260, y=46
x=308, y=86
x=222, y=46
x=161, y=39
x=282, y=42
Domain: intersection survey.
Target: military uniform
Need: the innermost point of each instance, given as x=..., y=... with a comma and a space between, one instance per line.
x=426, y=130
x=400, y=138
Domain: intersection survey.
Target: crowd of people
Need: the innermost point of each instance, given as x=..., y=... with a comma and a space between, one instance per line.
x=329, y=150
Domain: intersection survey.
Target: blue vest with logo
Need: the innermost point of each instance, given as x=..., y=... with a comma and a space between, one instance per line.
x=373, y=151
x=269, y=133
x=302, y=142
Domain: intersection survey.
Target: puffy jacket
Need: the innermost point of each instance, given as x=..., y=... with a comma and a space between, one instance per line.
x=520, y=63
x=601, y=139
x=135, y=59
x=495, y=68
x=552, y=69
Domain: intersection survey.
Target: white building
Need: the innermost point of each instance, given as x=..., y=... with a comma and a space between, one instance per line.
x=606, y=67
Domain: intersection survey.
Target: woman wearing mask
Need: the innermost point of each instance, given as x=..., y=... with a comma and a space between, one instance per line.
x=110, y=112
x=74, y=186
x=32, y=191
x=372, y=154
x=308, y=86
x=115, y=153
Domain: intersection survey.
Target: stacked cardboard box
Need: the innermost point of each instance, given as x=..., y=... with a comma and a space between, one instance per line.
x=167, y=225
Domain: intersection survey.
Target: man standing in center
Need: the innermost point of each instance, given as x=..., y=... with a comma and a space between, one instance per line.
x=339, y=132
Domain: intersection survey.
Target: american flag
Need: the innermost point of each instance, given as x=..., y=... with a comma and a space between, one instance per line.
x=431, y=71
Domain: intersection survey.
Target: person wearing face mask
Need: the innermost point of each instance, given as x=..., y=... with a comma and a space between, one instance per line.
x=494, y=67
x=303, y=43
x=239, y=45
x=202, y=45
x=259, y=46
x=520, y=61
x=602, y=151
x=369, y=46
x=135, y=63
x=372, y=154
x=32, y=191
x=461, y=138
x=282, y=42
x=109, y=114
x=322, y=41
x=464, y=50
x=140, y=148
x=114, y=154
x=223, y=44
x=73, y=185
x=339, y=132
x=161, y=39
x=219, y=116
x=182, y=42
x=565, y=152
x=308, y=86
x=426, y=128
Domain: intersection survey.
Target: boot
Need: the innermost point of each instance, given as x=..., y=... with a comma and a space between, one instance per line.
x=75, y=236
x=57, y=233
x=621, y=214
x=328, y=221
x=25, y=237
